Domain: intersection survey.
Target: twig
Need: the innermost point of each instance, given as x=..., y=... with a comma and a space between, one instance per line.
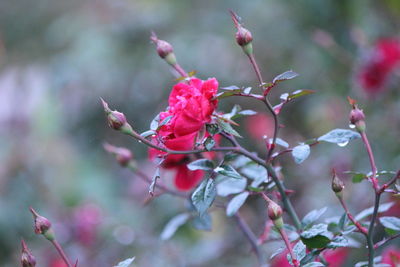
x=351, y=218
x=248, y=233
x=384, y=241
x=147, y=179
x=61, y=252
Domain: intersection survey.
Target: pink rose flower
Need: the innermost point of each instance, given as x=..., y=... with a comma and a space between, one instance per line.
x=392, y=257
x=381, y=61
x=191, y=105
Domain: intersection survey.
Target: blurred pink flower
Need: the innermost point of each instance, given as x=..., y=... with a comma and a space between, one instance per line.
x=392, y=257
x=335, y=258
x=381, y=61
x=87, y=217
x=259, y=125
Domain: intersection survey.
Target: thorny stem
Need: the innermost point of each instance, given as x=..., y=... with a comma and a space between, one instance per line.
x=268, y=104
x=384, y=241
x=351, y=218
x=244, y=227
x=147, y=179
x=370, y=237
x=289, y=246
x=281, y=187
x=143, y=140
x=283, y=234
x=371, y=160
x=61, y=252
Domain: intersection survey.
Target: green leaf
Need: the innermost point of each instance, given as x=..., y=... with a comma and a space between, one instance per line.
x=148, y=133
x=318, y=241
x=313, y=264
x=203, y=223
x=229, y=91
x=288, y=75
x=338, y=242
x=317, y=236
x=247, y=90
x=226, y=127
x=235, y=203
x=204, y=196
x=201, y=164
x=300, y=153
x=390, y=222
x=153, y=183
x=228, y=170
x=299, y=93
x=299, y=251
x=213, y=129
x=164, y=121
x=247, y=112
x=367, y=212
x=125, y=263
x=339, y=136
x=312, y=216
x=231, y=186
x=173, y=225
x=358, y=177
x=281, y=142
x=230, y=88
x=154, y=123
x=209, y=143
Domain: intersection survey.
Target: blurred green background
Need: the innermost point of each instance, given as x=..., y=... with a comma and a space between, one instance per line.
x=57, y=58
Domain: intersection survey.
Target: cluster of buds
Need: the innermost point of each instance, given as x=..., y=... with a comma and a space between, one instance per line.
x=164, y=49
x=116, y=120
x=337, y=184
x=243, y=36
x=42, y=226
x=275, y=214
x=27, y=259
x=357, y=117
x=123, y=155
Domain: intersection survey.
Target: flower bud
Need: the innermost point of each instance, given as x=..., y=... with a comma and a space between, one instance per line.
x=116, y=120
x=275, y=214
x=27, y=259
x=356, y=117
x=164, y=49
x=243, y=36
x=42, y=225
x=123, y=155
x=337, y=184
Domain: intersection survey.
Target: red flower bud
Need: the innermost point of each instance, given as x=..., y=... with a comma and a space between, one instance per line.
x=356, y=115
x=27, y=259
x=337, y=184
x=274, y=210
x=123, y=155
x=164, y=49
x=116, y=120
x=42, y=225
x=243, y=36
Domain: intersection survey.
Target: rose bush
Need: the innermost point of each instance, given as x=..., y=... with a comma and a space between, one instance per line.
x=191, y=105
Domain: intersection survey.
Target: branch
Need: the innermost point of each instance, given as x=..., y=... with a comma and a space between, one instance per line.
x=244, y=227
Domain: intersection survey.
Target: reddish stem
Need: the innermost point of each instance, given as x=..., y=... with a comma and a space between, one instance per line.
x=61, y=252
x=351, y=218
x=371, y=160
x=289, y=247
x=180, y=70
